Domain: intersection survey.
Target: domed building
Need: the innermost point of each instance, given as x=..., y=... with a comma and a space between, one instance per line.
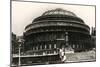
x=54, y=30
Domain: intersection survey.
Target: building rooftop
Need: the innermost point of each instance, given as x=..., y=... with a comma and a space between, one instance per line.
x=59, y=11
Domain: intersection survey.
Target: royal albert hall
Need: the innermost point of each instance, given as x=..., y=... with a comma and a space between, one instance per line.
x=54, y=30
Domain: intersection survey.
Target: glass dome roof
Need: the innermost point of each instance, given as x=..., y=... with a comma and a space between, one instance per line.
x=59, y=11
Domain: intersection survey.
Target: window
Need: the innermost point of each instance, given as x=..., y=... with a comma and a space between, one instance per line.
x=54, y=52
x=73, y=46
x=36, y=47
x=49, y=46
x=40, y=46
x=33, y=48
x=54, y=45
x=77, y=46
x=66, y=37
x=45, y=46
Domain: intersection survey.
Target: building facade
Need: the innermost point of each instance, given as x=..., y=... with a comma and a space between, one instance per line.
x=54, y=31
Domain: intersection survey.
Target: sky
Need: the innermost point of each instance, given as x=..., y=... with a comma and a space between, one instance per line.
x=23, y=13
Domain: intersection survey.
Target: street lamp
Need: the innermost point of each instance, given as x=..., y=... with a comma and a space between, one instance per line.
x=20, y=41
x=19, y=54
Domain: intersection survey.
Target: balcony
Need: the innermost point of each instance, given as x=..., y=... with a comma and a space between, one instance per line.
x=38, y=53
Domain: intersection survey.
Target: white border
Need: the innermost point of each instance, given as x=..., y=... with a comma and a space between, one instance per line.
x=5, y=33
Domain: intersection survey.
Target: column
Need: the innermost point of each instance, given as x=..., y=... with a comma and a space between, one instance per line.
x=66, y=38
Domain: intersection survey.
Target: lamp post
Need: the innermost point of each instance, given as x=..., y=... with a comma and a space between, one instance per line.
x=21, y=42
x=19, y=54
